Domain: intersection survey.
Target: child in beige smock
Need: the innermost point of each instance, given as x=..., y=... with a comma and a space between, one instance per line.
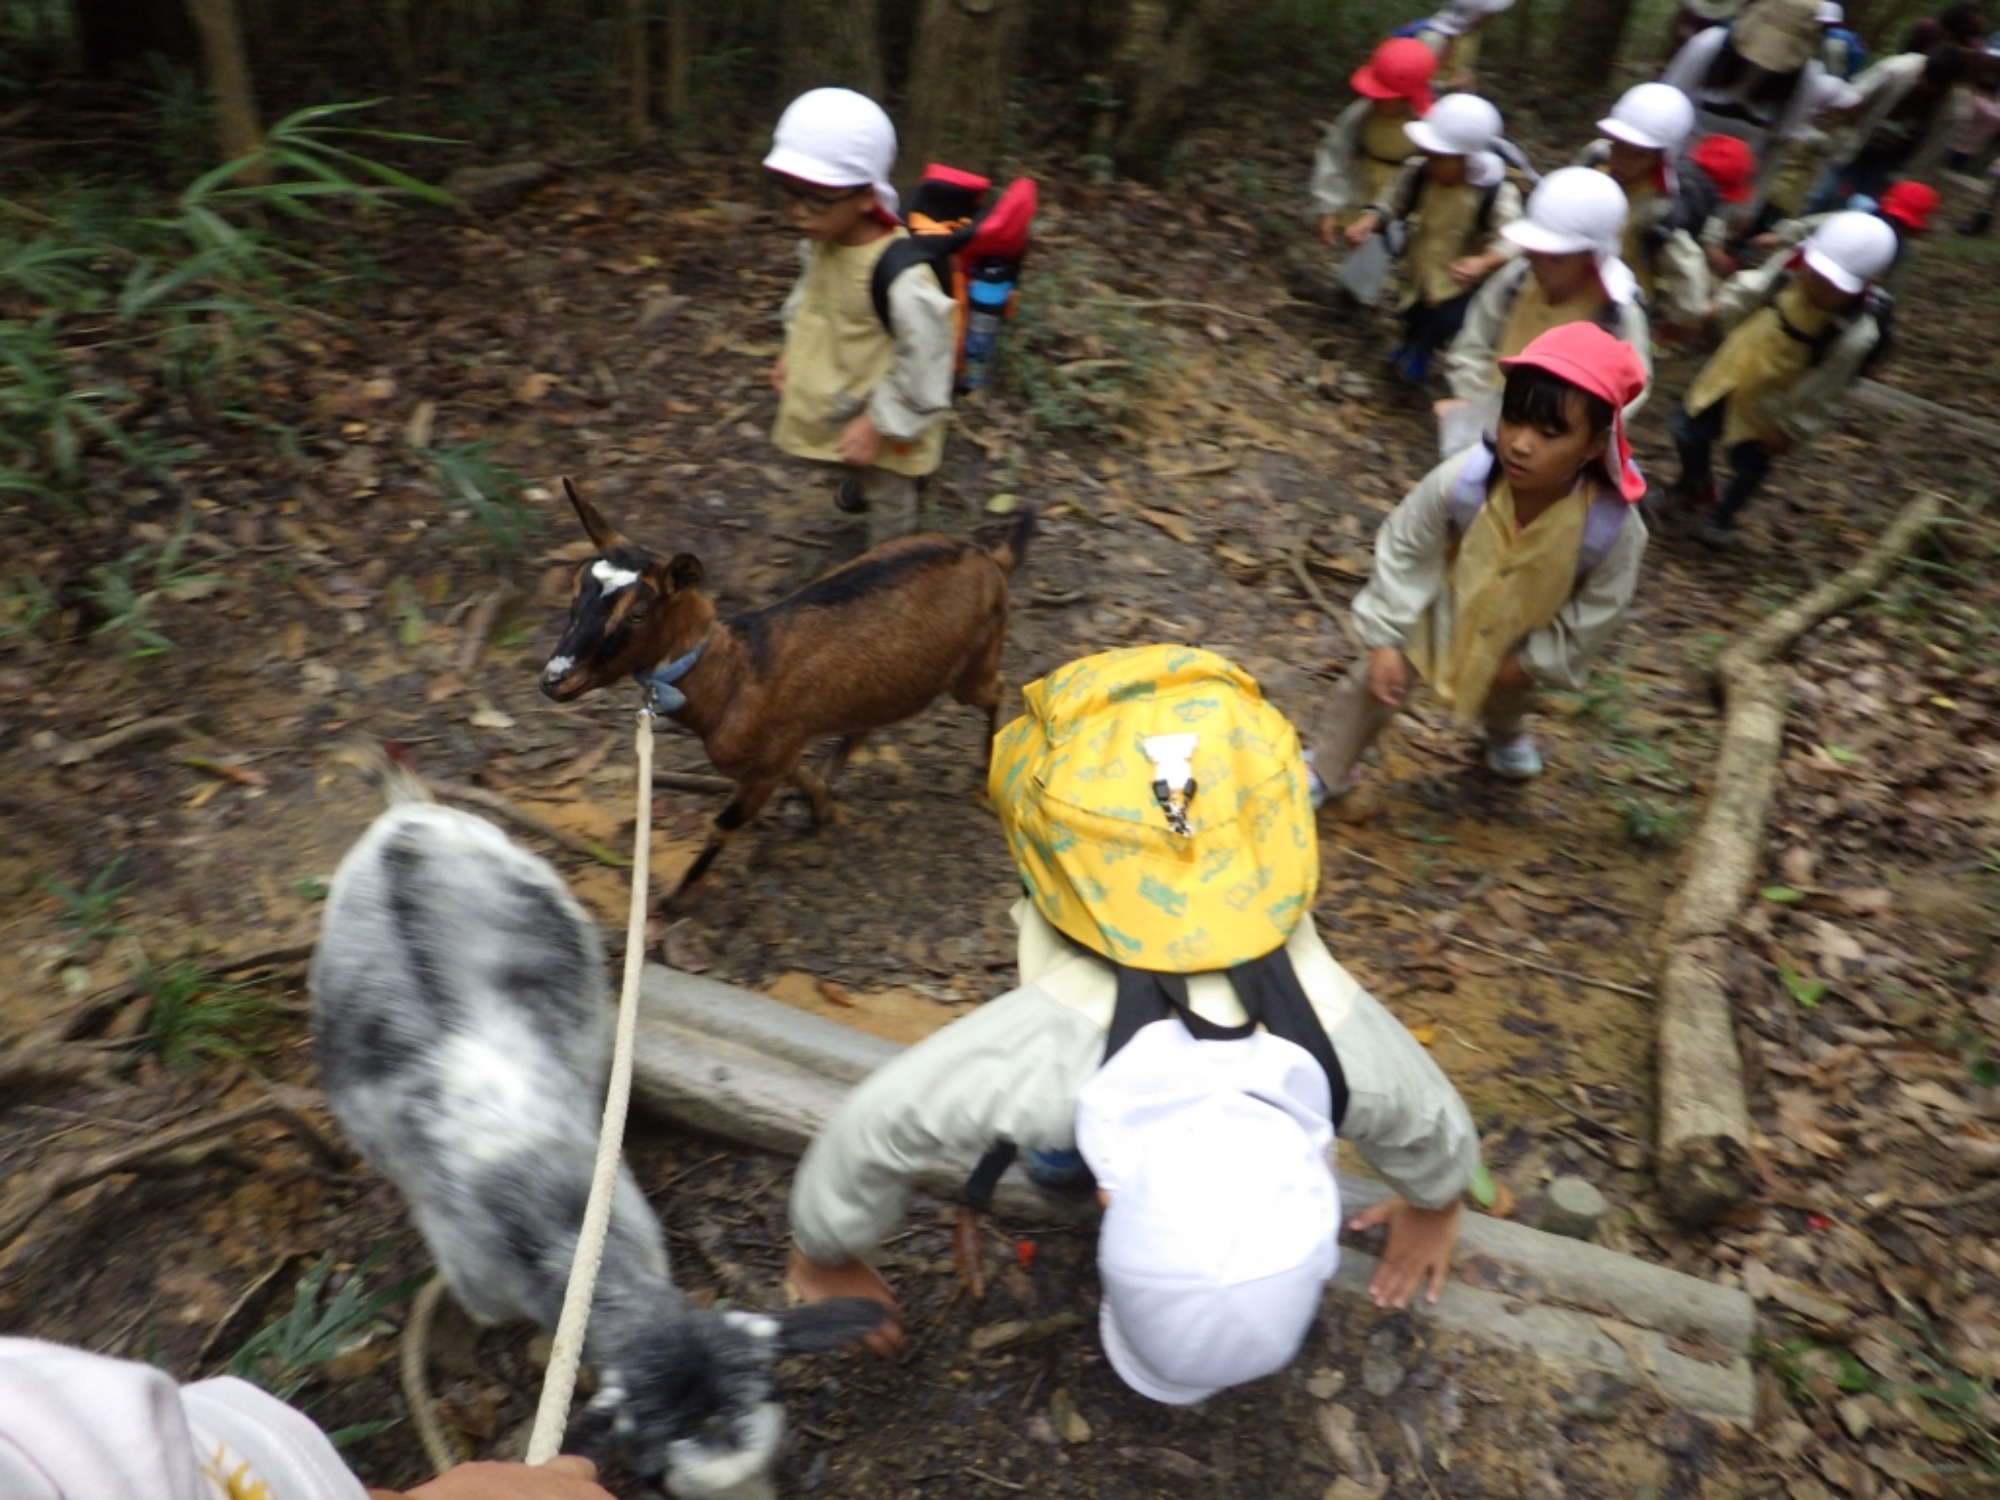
x=1360, y=156
x=852, y=391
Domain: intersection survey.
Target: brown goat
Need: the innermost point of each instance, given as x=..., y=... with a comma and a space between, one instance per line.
x=860, y=648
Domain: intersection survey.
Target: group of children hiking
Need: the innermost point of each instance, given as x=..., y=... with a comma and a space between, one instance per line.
x=1181, y=1038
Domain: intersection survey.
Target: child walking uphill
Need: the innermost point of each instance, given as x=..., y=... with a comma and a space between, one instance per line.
x=1668, y=201
x=1801, y=330
x=1459, y=200
x=1507, y=568
x=1571, y=273
x=851, y=391
x=1364, y=150
x=1180, y=1022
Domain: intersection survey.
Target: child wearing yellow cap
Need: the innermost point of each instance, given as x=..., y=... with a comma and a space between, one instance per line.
x=1179, y=1021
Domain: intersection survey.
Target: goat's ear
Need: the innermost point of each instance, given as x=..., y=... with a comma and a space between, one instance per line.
x=684, y=570
x=816, y=1327
x=601, y=533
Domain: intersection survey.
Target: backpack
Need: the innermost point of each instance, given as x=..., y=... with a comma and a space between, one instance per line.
x=1876, y=303
x=973, y=247
x=1413, y=199
x=1272, y=997
x=1602, y=524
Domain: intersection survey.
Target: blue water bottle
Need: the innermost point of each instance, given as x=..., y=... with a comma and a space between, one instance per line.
x=987, y=295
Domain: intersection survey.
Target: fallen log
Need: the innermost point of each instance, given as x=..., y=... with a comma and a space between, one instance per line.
x=1704, y=1162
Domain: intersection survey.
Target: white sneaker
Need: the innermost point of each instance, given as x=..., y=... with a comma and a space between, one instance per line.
x=1516, y=759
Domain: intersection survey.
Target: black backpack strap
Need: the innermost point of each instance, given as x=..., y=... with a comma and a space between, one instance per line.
x=1270, y=991
x=933, y=250
x=986, y=1176
x=1484, y=223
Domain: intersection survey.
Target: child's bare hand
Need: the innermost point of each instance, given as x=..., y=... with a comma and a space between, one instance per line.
x=1445, y=406
x=1329, y=228
x=778, y=373
x=817, y=1282
x=1388, y=676
x=1466, y=270
x=1359, y=231
x=1418, y=1250
x=860, y=444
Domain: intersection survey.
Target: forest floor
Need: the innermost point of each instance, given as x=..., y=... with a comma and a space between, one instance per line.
x=1203, y=429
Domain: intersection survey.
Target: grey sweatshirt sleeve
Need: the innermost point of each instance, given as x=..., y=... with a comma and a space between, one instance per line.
x=1336, y=185
x=1636, y=330
x=1560, y=653
x=917, y=389
x=1468, y=363
x=1409, y=561
x=1812, y=405
x=1403, y=1115
x=1010, y=1070
x=798, y=291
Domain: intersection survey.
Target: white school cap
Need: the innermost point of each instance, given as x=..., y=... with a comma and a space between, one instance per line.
x=1651, y=116
x=1462, y=125
x=1573, y=209
x=1851, y=249
x=1462, y=15
x=1224, y=1217
x=1829, y=13
x=839, y=139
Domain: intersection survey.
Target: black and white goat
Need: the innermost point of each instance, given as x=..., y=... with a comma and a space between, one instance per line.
x=464, y=1038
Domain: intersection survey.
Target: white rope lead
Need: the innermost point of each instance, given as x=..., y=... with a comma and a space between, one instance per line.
x=559, y=1385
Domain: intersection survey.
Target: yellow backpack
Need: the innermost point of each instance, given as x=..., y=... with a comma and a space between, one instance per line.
x=1157, y=810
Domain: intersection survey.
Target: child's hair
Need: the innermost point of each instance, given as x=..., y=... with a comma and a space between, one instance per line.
x=1534, y=397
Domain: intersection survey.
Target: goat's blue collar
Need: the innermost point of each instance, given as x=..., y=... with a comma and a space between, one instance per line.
x=662, y=697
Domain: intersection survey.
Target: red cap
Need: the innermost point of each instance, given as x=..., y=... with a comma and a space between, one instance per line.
x=1601, y=365
x=1400, y=69
x=1909, y=204
x=1730, y=165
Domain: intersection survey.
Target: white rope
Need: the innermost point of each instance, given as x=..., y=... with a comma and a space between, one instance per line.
x=559, y=1385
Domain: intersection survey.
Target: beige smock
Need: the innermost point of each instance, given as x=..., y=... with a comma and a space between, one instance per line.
x=1357, y=160
x=1671, y=269
x=1411, y=587
x=1506, y=581
x=1012, y=1069
x=840, y=361
x=1492, y=332
x=1765, y=355
x=1445, y=227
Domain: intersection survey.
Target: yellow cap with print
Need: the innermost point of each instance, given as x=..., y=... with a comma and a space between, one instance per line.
x=1156, y=806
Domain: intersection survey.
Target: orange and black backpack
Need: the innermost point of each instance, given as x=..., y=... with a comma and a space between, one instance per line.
x=974, y=244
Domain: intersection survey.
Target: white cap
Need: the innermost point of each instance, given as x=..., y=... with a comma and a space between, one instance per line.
x=1224, y=1217
x=1462, y=125
x=839, y=139
x=1829, y=13
x=1652, y=116
x=1851, y=249
x=1573, y=209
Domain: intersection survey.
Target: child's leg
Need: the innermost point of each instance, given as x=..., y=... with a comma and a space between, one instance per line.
x=1433, y=327
x=1509, y=750
x=1750, y=464
x=1693, y=438
x=891, y=501
x=1348, y=725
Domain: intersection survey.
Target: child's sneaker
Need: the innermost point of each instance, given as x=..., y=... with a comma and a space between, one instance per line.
x=1058, y=1171
x=1717, y=537
x=848, y=497
x=1318, y=792
x=1517, y=759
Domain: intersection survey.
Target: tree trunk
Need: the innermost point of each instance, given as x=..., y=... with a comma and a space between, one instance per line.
x=228, y=68
x=961, y=75
x=677, y=59
x=832, y=43
x=1591, y=31
x=637, y=46
x=1159, y=71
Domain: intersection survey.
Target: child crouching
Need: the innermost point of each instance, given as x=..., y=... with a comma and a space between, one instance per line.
x=1453, y=202
x=1802, y=330
x=1507, y=568
x=852, y=391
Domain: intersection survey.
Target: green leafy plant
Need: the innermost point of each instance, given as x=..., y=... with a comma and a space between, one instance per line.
x=193, y=1016
x=491, y=491
x=1648, y=820
x=86, y=914
x=285, y=1354
x=1783, y=895
x=127, y=605
x=25, y=602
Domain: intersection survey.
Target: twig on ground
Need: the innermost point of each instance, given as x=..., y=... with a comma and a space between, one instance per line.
x=1570, y=1109
x=1297, y=560
x=479, y=796
x=413, y=1366
x=1541, y=968
x=689, y=781
x=79, y=751
x=479, y=626
x=1144, y=304
x=993, y=1479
